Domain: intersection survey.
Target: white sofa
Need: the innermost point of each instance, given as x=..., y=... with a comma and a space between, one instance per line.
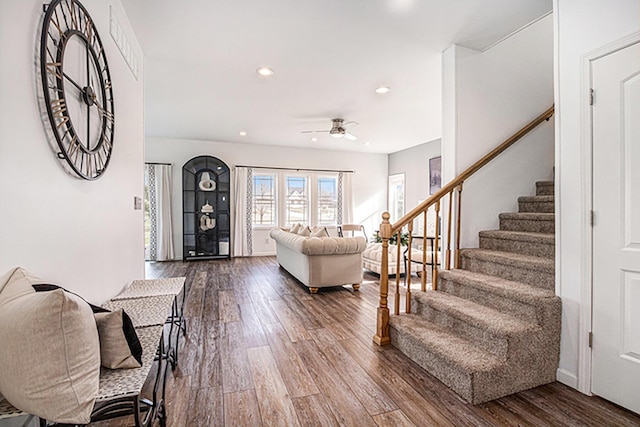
x=320, y=262
x=372, y=259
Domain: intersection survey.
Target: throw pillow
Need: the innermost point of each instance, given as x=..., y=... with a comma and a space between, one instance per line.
x=120, y=347
x=304, y=231
x=50, y=351
x=119, y=343
x=295, y=228
x=319, y=232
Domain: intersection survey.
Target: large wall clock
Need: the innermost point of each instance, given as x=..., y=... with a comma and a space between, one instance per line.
x=77, y=88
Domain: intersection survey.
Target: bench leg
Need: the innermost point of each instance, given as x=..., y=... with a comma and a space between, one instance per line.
x=356, y=286
x=313, y=290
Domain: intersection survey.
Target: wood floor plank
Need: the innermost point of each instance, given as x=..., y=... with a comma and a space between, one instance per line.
x=241, y=409
x=276, y=407
x=313, y=411
x=208, y=370
x=252, y=328
x=289, y=321
x=206, y=407
x=236, y=372
x=347, y=409
x=229, y=311
x=393, y=419
x=294, y=373
x=362, y=386
x=177, y=408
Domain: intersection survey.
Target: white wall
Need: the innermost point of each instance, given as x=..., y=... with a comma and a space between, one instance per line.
x=369, y=179
x=488, y=97
x=581, y=26
x=414, y=163
x=83, y=235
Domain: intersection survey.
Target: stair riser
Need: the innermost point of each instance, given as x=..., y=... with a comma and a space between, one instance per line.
x=520, y=247
x=528, y=225
x=533, y=277
x=497, y=345
x=450, y=374
x=534, y=369
x=539, y=207
x=544, y=190
x=519, y=309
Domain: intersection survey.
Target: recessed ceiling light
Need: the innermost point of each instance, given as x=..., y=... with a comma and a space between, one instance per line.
x=367, y=143
x=314, y=139
x=243, y=133
x=382, y=89
x=265, y=71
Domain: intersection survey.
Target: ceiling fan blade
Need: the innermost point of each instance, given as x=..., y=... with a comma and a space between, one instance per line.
x=313, y=131
x=352, y=122
x=350, y=136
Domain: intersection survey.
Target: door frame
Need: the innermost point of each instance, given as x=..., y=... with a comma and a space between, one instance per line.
x=586, y=291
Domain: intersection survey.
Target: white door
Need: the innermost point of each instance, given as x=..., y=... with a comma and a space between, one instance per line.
x=616, y=231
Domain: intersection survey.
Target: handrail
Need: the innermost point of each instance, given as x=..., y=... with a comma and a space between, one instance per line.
x=415, y=212
x=387, y=230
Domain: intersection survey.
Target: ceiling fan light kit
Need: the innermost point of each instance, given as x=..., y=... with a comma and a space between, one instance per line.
x=338, y=129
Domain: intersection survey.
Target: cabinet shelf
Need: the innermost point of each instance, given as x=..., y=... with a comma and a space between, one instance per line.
x=206, y=216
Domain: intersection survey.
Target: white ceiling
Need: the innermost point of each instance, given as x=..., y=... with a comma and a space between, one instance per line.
x=328, y=56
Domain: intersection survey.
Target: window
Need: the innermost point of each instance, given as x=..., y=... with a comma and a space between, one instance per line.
x=264, y=200
x=296, y=200
x=327, y=200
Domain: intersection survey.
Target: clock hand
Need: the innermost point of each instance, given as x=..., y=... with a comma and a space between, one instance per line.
x=72, y=82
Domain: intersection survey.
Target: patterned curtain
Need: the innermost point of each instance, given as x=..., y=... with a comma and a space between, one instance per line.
x=243, y=238
x=345, y=198
x=159, y=182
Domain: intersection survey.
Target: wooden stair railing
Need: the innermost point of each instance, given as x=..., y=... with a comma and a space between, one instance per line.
x=387, y=230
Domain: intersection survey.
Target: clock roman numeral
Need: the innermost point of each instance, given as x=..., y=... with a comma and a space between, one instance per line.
x=55, y=68
x=59, y=111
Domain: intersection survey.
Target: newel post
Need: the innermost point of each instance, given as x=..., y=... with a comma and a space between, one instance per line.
x=382, y=325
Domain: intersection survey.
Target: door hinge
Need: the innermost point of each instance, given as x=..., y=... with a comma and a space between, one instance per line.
x=592, y=218
x=592, y=95
x=590, y=339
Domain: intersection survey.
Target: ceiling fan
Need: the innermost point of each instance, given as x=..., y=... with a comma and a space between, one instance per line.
x=338, y=129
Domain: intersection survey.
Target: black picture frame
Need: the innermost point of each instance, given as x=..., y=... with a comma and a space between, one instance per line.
x=435, y=174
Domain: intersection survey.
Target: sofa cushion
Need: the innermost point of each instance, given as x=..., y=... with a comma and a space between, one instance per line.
x=50, y=350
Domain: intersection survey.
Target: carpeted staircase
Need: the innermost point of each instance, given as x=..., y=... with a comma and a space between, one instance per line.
x=493, y=327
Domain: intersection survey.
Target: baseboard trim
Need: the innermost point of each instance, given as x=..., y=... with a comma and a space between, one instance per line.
x=567, y=378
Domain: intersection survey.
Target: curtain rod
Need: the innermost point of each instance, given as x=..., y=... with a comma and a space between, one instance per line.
x=294, y=169
x=152, y=163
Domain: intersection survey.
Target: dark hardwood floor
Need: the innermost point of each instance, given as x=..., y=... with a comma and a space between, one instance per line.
x=261, y=350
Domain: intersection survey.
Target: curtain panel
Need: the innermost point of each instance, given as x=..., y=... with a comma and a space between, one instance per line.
x=159, y=181
x=243, y=230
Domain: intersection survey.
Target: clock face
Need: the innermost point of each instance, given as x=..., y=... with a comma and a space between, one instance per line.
x=77, y=88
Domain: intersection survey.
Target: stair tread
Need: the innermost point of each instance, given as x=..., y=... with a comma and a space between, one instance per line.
x=532, y=216
x=537, y=199
x=511, y=258
x=524, y=236
x=496, y=285
x=480, y=316
x=439, y=340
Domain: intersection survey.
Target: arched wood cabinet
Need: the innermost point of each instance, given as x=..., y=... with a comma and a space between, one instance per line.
x=206, y=201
